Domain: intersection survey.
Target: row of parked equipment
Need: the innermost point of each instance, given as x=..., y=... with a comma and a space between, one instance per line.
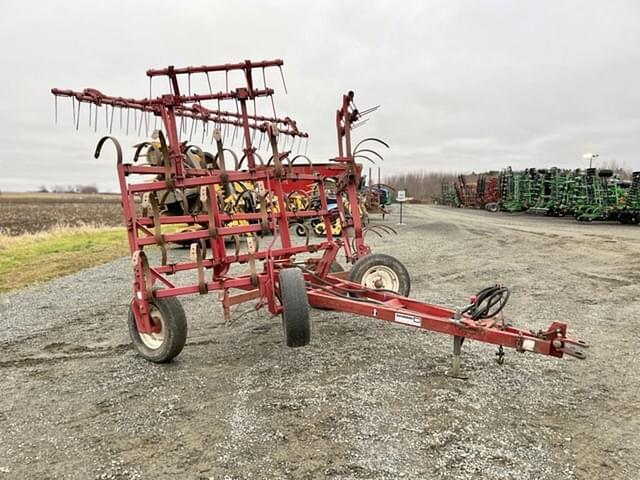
x=590, y=194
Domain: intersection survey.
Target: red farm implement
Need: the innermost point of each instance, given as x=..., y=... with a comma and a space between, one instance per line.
x=240, y=220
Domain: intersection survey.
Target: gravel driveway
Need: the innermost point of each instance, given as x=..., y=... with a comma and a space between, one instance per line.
x=366, y=400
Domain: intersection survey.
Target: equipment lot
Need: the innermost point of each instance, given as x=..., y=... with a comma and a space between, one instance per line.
x=365, y=399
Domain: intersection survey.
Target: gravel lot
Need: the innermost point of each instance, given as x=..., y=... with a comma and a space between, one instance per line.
x=366, y=400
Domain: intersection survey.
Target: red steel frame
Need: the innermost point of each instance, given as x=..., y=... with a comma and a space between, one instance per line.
x=278, y=177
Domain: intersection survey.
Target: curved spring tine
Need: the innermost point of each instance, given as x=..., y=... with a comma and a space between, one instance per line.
x=255, y=154
x=370, y=139
x=357, y=152
x=364, y=156
x=241, y=196
x=197, y=151
x=307, y=232
x=233, y=154
x=283, y=156
x=100, y=144
x=370, y=229
x=163, y=145
x=301, y=156
x=139, y=148
x=387, y=229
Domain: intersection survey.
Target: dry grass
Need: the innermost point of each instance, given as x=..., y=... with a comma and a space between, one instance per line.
x=32, y=258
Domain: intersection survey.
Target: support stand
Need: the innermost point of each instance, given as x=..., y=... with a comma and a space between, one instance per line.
x=455, y=364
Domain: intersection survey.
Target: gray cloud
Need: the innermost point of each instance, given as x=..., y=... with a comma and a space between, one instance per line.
x=464, y=85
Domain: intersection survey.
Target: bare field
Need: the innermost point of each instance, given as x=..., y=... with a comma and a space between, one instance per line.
x=36, y=212
x=366, y=400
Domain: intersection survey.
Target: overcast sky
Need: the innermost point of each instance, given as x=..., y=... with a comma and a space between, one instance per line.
x=464, y=85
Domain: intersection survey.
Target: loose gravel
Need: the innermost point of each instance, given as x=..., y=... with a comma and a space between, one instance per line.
x=366, y=399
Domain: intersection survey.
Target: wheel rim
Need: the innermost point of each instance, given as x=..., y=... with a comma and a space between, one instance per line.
x=381, y=277
x=154, y=340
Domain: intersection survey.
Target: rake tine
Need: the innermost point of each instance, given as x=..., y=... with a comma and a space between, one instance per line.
x=193, y=121
x=369, y=110
x=299, y=143
x=189, y=83
x=146, y=124
x=150, y=89
x=209, y=83
x=90, y=113
x=226, y=74
x=306, y=145
x=95, y=118
x=155, y=122
x=106, y=115
x=283, y=82
x=140, y=124
x=264, y=78
x=111, y=122
x=55, y=108
x=128, y=114
x=233, y=137
x=359, y=124
x=120, y=118
x=260, y=140
x=78, y=117
x=273, y=106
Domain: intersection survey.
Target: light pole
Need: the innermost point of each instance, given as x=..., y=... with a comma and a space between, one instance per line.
x=591, y=157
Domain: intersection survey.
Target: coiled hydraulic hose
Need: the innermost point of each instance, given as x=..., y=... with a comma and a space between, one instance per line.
x=488, y=302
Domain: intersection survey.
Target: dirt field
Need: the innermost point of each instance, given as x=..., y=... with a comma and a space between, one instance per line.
x=366, y=400
x=33, y=212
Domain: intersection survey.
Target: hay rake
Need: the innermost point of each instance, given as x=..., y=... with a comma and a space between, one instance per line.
x=242, y=215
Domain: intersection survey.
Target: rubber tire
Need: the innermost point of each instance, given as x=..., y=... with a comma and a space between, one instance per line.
x=295, y=315
x=491, y=207
x=375, y=259
x=175, y=322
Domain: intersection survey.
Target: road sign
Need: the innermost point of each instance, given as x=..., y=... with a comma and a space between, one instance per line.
x=402, y=196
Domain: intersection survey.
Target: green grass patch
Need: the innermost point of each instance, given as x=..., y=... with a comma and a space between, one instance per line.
x=33, y=258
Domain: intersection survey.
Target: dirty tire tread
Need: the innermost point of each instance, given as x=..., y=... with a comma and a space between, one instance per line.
x=175, y=321
x=295, y=315
x=373, y=259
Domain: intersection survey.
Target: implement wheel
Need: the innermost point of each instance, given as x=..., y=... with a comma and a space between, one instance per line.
x=170, y=331
x=381, y=272
x=295, y=314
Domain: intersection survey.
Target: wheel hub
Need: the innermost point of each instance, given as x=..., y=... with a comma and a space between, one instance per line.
x=381, y=277
x=154, y=339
